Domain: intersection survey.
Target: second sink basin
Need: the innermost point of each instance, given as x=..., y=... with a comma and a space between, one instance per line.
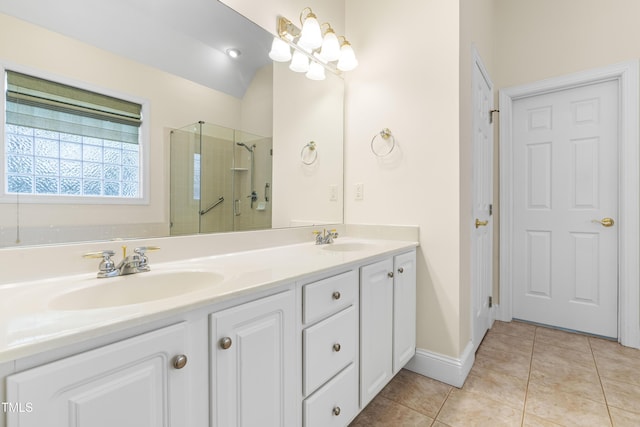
x=135, y=289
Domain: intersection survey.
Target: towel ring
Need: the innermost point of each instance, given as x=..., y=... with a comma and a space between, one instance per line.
x=387, y=138
x=310, y=150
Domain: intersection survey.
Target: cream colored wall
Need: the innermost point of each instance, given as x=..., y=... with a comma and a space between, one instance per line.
x=546, y=38
x=174, y=102
x=408, y=81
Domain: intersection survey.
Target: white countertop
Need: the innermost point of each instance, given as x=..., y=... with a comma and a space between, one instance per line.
x=30, y=323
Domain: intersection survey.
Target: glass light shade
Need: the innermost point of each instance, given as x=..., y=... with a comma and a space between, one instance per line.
x=347, y=61
x=310, y=36
x=280, y=50
x=330, y=47
x=316, y=71
x=299, y=62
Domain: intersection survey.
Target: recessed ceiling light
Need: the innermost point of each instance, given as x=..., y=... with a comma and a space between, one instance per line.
x=233, y=52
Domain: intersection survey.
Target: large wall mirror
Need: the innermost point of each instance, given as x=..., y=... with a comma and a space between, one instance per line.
x=173, y=57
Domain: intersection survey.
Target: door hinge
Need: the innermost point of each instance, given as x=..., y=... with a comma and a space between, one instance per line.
x=490, y=301
x=491, y=209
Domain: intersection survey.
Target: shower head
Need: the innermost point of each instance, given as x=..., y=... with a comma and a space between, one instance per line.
x=250, y=149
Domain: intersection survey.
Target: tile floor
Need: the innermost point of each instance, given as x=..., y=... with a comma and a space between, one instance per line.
x=524, y=375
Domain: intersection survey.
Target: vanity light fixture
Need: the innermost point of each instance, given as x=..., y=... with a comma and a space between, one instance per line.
x=314, y=50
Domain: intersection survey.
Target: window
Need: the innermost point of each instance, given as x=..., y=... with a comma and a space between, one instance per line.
x=66, y=141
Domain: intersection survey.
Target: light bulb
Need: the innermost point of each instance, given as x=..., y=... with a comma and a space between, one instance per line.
x=299, y=62
x=330, y=46
x=310, y=36
x=347, y=61
x=316, y=71
x=233, y=52
x=280, y=50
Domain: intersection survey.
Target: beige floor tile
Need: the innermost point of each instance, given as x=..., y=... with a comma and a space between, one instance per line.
x=563, y=339
x=622, y=395
x=497, y=386
x=464, y=409
x=566, y=409
x=515, y=328
x=510, y=363
x=612, y=349
x=531, y=420
x=439, y=424
x=384, y=412
x=417, y=392
x=562, y=355
x=619, y=369
x=622, y=418
x=504, y=342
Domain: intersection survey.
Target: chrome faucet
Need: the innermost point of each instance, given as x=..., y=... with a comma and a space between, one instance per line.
x=325, y=237
x=130, y=264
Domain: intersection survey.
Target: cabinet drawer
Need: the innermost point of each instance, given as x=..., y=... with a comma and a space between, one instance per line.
x=329, y=346
x=330, y=295
x=336, y=403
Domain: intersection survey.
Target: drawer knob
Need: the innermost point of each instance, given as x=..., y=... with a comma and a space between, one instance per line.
x=180, y=361
x=390, y=274
x=336, y=411
x=336, y=295
x=401, y=270
x=225, y=343
x=336, y=347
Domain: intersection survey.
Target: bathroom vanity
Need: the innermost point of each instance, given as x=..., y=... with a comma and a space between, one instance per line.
x=290, y=335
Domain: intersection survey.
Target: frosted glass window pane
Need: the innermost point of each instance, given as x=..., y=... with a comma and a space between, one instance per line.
x=91, y=153
x=114, y=144
x=21, y=130
x=130, y=189
x=92, y=170
x=129, y=174
x=71, y=168
x=70, y=138
x=19, y=144
x=46, y=166
x=92, y=141
x=48, y=185
x=130, y=158
x=92, y=188
x=39, y=133
x=70, y=186
x=111, y=188
x=47, y=148
x=112, y=172
x=19, y=164
x=20, y=184
x=70, y=150
x=112, y=156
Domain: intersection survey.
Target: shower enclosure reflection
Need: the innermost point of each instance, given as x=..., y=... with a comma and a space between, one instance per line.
x=221, y=180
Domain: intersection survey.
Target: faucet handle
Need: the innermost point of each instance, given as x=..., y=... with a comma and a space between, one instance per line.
x=318, y=235
x=143, y=263
x=106, y=268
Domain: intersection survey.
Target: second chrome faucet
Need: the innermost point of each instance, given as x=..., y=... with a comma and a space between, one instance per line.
x=130, y=264
x=325, y=237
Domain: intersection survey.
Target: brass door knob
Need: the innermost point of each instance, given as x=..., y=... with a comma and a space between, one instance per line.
x=401, y=270
x=390, y=274
x=605, y=222
x=336, y=411
x=481, y=223
x=336, y=295
x=336, y=347
x=225, y=343
x=180, y=361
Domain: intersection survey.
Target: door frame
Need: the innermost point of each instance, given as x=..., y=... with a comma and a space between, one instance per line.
x=477, y=63
x=627, y=76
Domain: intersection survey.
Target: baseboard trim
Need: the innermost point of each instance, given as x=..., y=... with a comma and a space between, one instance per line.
x=443, y=368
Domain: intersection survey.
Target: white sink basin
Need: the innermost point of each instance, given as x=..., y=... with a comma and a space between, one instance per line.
x=348, y=246
x=135, y=289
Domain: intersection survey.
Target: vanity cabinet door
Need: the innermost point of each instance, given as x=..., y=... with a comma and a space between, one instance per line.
x=404, y=309
x=132, y=383
x=376, y=328
x=253, y=371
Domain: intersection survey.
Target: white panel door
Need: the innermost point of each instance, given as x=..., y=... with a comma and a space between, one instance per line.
x=565, y=156
x=482, y=228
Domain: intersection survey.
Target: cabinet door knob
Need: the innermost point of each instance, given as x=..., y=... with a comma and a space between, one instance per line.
x=225, y=343
x=336, y=411
x=336, y=295
x=180, y=361
x=336, y=347
x=390, y=274
x=401, y=270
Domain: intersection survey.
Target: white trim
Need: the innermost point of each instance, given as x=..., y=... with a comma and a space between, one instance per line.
x=145, y=143
x=627, y=75
x=443, y=368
